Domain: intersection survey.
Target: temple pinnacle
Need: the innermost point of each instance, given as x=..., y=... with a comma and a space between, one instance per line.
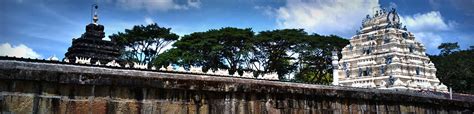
x=94, y=9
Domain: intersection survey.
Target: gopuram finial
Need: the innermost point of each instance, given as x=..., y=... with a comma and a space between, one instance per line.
x=94, y=10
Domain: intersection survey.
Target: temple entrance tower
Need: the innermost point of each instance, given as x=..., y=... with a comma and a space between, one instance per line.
x=383, y=54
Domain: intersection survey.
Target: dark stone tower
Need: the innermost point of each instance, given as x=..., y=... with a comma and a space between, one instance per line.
x=91, y=45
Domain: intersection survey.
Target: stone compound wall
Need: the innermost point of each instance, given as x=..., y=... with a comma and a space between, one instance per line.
x=42, y=87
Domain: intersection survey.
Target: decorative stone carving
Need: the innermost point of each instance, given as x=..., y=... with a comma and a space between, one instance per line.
x=169, y=68
x=97, y=62
x=181, y=69
x=398, y=82
x=259, y=77
x=113, y=64
x=162, y=68
x=269, y=76
x=221, y=72
x=412, y=84
x=365, y=84
x=53, y=58
x=195, y=69
x=236, y=74
x=83, y=60
x=247, y=74
x=382, y=83
x=209, y=72
x=66, y=60
x=442, y=87
x=140, y=65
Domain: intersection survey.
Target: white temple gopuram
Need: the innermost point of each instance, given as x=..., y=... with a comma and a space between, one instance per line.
x=385, y=55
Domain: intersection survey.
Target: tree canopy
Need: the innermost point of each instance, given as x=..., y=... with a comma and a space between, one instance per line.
x=281, y=51
x=448, y=48
x=274, y=50
x=455, y=67
x=143, y=43
x=224, y=48
x=314, y=60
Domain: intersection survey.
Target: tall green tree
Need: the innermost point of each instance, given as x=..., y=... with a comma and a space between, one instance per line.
x=198, y=50
x=314, y=60
x=273, y=51
x=236, y=46
x=143, y=43
x=213, y=49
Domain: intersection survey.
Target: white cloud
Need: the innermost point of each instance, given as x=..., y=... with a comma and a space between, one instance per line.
x=429, y=39
x=266, y=10
x=149, y=20
x=158, y=5
x=19, y=51
x=431, y=21
x=427, y=28
x=325, y=17
x=344, y=18
x=194, y=3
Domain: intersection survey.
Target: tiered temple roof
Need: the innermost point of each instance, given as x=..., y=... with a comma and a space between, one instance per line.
x=90, y=45
x=383, y=54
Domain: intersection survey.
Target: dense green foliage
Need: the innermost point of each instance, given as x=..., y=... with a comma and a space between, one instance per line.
x=283, y=51
x=225, y=48
x=455, y=67
x=167, y=57
x=143, y=43
x=274, y=50
x=315, y=58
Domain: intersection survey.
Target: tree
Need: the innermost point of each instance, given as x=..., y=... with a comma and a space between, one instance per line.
x=314, y=60
x=455, y=68
x=199, y=51
x=143, y=43
x=169, y=56
x=223, y=48
x=236, y=46
x=448, y=48
x=273, y=51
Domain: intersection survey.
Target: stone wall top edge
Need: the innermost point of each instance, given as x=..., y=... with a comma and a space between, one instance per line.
x=74, y=68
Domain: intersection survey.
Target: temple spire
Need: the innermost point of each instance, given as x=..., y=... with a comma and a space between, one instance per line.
x=94, y=10
x=90, y=46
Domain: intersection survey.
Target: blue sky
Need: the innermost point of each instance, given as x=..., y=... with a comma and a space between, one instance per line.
x=41, y=28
